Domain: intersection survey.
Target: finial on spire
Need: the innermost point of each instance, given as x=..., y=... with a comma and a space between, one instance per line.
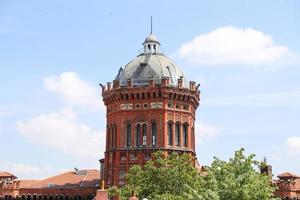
x=151, y=25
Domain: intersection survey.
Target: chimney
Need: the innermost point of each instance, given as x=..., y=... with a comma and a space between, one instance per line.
x=109, y=86
x=129, y=83
x=116, y=84
x=165, y=81
x=180, y=81
x=192, y=85
x=151, y=82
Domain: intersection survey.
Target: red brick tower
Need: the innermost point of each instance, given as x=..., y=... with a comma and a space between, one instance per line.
x=150, y=107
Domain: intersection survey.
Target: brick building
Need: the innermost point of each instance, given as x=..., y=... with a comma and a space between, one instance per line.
x=72, y=185
x=150, y=106
x=288, y=185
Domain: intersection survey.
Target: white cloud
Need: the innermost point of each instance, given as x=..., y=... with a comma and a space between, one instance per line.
x=62, y=131
x=205, y=131
x=23, y=171
x=293, y=146
x=232, y=45
x=7, y=110
x=74, y=90
x=276, y=99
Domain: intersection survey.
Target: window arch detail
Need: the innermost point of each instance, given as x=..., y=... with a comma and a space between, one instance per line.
x=138, y=135
x=177, y=134
x=185, y=134
x=154, y=133
x=170, y=133
x=144, y=135
x=128, y=134
x=141, y=134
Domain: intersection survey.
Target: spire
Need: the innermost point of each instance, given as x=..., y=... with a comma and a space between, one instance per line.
x=151, y=25
x=151, y=44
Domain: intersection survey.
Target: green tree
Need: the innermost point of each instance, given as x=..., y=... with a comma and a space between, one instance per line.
x=171, y=177
x=239, y=178
x=174, y=177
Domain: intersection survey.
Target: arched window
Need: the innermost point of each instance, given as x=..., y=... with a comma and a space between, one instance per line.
x=154, y=130
x=128, y=135
x=177, y=134
x=115, y=136
x=108, y=137
x=112, y=136
x=185, y=135
x=154, y=47
x=138, y=135
x=170, y=133
x=144, y=134
x=111, y=142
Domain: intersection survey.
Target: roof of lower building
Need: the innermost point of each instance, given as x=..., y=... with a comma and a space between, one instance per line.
x=7, y=174
x=70, y=179
x=288, y=175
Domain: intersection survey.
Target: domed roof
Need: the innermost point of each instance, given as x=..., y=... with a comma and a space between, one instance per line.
x=151, y=38
x=148, y=66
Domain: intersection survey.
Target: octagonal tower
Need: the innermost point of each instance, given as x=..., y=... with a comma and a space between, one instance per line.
x=150, y=107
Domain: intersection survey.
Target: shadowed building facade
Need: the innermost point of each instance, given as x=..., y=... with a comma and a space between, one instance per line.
x=150, y=106
x=71, y=185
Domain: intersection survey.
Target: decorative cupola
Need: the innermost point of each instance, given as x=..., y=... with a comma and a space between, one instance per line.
x=151, y=44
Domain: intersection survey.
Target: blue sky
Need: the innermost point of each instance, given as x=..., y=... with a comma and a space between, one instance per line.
x=54, y=53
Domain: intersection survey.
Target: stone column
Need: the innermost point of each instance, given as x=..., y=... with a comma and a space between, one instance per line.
x=102, y=194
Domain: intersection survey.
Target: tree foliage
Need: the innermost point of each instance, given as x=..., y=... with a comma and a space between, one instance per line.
x=174, y=177
x=239, y=179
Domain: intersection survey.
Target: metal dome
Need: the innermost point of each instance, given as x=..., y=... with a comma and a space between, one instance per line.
x=151, y=38
x=148, y=66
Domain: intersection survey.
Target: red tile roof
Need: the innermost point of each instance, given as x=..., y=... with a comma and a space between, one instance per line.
x=287, y=175
x=7, y=174
x=70, y=179
x=27, y=183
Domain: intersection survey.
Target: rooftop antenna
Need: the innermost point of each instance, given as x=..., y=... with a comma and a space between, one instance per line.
x=151, y=25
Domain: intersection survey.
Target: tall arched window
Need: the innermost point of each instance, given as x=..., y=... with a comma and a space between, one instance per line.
x=138, y=135
x=108, y=138
x=177, y=134
x=154, y=130
x=128, y=135
x=185, y=135
x=111, y=136
x=170, y=133
x=144, y=134
x=115, y=136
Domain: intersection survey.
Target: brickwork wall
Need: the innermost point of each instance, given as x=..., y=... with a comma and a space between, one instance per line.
x=145, y=105
x=49, y=194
